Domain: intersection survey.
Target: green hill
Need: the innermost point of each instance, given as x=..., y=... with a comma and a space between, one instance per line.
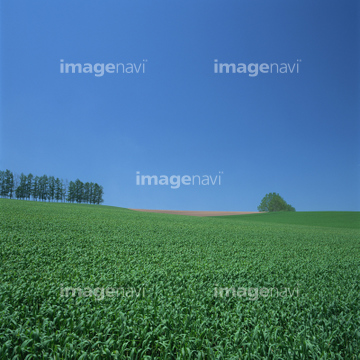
x=340, y=219
x=100, y=282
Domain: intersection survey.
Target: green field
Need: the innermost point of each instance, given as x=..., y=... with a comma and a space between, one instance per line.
x=171, y=273
x=339, y=219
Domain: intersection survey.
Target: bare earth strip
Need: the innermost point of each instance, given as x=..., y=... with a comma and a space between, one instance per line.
x=199, y=213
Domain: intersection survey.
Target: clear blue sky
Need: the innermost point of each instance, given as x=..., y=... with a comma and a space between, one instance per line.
x=295, y=134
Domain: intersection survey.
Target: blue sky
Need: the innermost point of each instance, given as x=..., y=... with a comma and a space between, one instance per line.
x=295, y=134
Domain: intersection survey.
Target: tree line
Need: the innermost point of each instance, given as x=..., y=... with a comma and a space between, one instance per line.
x=48, y=188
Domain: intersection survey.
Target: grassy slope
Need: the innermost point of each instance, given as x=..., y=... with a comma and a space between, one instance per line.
x=179, y=260
x=339, y=219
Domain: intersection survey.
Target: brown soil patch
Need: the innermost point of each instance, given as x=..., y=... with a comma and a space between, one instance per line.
x=199, y=213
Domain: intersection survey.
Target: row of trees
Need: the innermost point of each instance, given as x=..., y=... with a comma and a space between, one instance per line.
x=48, y=188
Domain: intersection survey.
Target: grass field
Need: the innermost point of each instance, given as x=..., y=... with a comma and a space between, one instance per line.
x=178, y=284
x=339, y=219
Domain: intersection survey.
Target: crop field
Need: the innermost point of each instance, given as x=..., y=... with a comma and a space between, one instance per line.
x=98, y=282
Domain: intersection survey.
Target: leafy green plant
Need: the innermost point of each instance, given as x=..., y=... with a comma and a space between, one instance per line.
x=177, y=260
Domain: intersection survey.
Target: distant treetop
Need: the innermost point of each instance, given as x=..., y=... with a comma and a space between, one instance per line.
x=274, y=202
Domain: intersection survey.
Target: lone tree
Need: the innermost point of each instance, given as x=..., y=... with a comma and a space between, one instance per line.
x=274, y=202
